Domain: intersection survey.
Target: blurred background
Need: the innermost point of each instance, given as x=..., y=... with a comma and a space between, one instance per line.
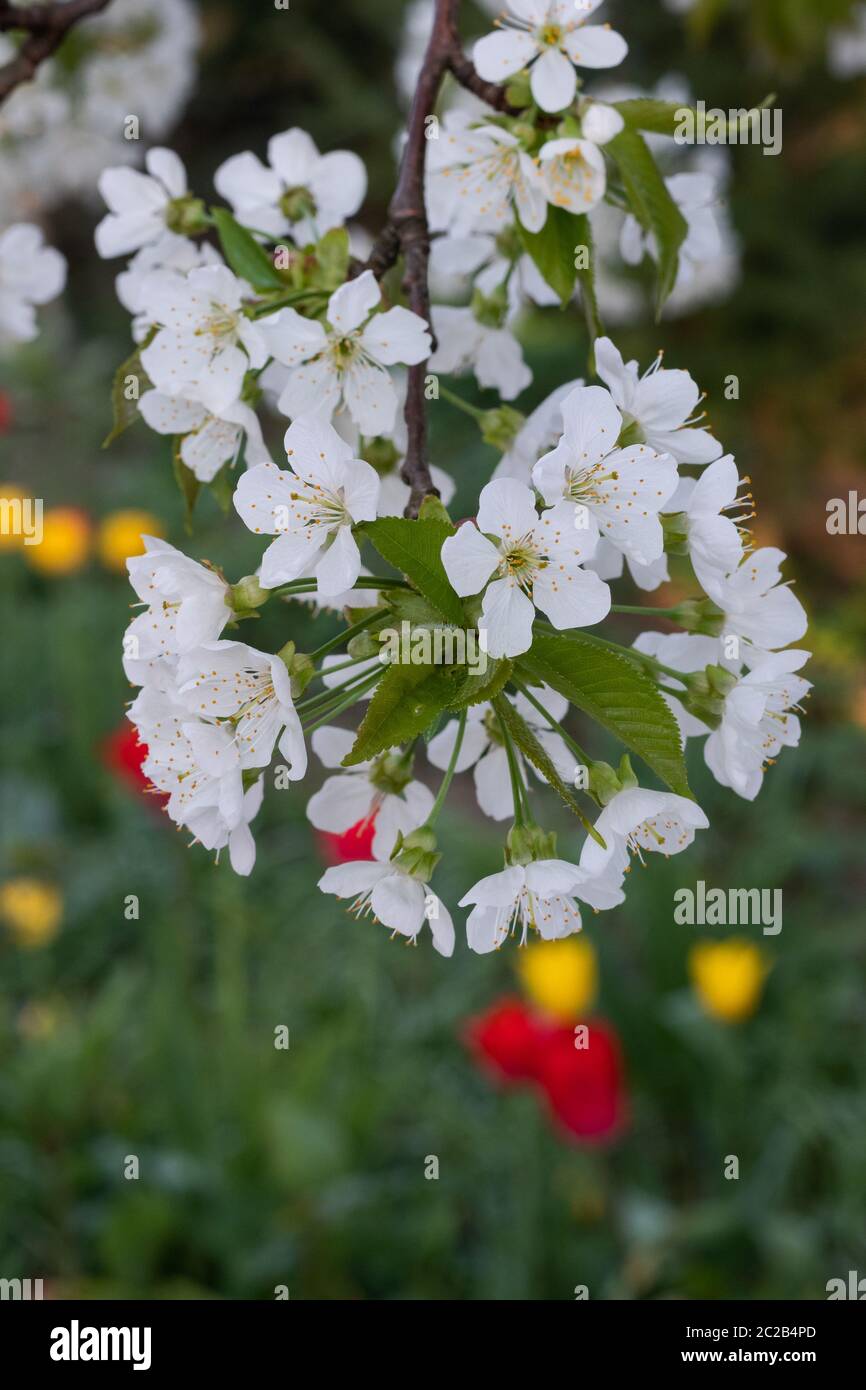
x=310, y=1168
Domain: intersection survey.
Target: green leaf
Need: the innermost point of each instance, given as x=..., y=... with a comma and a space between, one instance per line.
x=554, y=248
x=188, y=484
x=484, y=686
x=651, y=204
x=246, y=257
x=222, y=486
x=614, y=692
x=532, y=749
x=666, y=117
x=647, y=113
x=406, y=605
x=332, y=259
x=405, y=703
x=434, y=509
x=414, y=548
x=125, y=411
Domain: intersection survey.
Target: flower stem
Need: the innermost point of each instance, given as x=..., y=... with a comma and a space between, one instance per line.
x=554, y=724
x=449, y=773
x=333, y=694
x=309, y=586
x=522, y=815
x=349, y=699
x=345, y=636
x=642, y=610
x=451, y=396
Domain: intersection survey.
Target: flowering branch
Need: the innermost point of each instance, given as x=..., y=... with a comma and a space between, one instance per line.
x=407, y=231
x=46, y=27
x=475, y=650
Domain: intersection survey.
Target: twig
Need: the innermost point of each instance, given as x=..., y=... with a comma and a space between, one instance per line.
x=46, y=26
x=406, y=229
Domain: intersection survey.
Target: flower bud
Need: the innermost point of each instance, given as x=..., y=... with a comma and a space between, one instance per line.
x=381, y=454
x=676, y=535
x=699, y=615
x=390, y=773
x=490, y=309
x=186, y=216
x=528, y=842
x=363, y=644
x=499, y=426
x=605, y=784
x=518, y=93
x=300, y=667
x=416, y=853
x=246, y=595
x=706, y=692
x=631, y=433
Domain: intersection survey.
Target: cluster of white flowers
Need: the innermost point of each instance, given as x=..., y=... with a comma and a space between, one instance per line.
x=600, y=478
x=136, y=59
x=31, y=274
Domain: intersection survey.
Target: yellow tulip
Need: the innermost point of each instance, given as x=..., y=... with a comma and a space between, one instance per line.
x=560, y=977
x=65, y=544
x=728, y=977
x=37, y=1021
x=12, y=498
x=120, y=536
x=32, y=910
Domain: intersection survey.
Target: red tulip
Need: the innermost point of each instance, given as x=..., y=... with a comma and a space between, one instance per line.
x=123, y=755
x=506, y=1040
x=354, y=843
x=5, y=412
x=584, y=1084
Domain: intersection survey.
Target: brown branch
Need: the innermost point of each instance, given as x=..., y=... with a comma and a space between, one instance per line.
x=406, y=230
x=463, y=69
x=46, y=26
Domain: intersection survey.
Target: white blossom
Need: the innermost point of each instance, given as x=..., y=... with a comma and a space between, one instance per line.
x=696, y=196
x=635, y=821
x=251, y=692
x=714, y=541
x=623, y=489
x=539, y=896
x=31, y=274
x=187, y=604
x=757, y=722
x=205, y=343
x=550, y=37
x=534, y=562
x=344, y=363
x=139, y=205
x=540, y=431
x=197, y=764
x=378, y=790
x=479, y=178
x=658, y=406
x=756, y=605
x=492, y=354
x=299, y=192
x=397, y=900
x=573, y=173
x=311, y=509
x=210, y=438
